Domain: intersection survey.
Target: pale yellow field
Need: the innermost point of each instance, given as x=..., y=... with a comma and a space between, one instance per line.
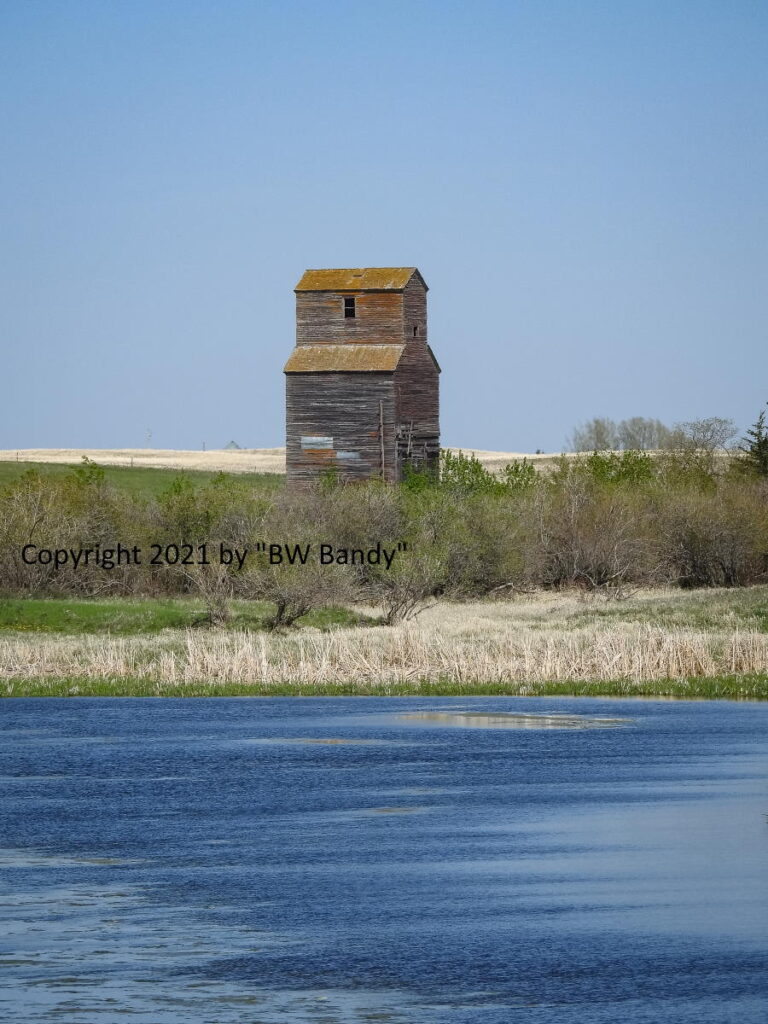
x=243, y=460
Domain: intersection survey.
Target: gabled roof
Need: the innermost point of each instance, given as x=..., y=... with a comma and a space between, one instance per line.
x=344, y=358
x=360, y=279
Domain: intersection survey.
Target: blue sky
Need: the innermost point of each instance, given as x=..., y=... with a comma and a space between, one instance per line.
x=582, y=184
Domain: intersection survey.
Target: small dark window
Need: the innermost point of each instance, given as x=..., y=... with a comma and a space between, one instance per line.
x=415, y=331
x=349, y=306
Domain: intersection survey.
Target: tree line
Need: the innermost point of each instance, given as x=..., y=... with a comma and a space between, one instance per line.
x=605, y=522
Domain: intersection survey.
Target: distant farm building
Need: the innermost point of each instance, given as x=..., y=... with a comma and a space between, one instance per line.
x=362, y=384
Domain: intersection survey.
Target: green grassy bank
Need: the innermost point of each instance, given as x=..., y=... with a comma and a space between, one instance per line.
x=753, y=687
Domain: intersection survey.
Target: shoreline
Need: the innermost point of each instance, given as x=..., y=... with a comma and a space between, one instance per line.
x=741, y=689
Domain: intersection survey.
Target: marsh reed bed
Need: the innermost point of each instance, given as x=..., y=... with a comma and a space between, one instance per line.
x=543, y=644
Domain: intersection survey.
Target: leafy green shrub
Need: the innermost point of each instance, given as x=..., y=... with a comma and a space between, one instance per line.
x=465, y=473
x=628, y=467
x=519, y=476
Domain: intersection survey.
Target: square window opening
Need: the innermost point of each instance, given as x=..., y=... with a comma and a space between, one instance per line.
x=349, y=307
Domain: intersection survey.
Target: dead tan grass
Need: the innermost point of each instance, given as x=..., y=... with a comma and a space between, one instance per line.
x=472, y=643
x=244, y=460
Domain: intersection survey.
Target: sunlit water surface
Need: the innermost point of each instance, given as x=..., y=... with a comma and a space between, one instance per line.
x=340, y=860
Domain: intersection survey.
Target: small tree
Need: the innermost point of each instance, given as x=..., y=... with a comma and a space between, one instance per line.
x=755, y=446
x=213, y=585
x=295, y=589
x=695, y=450
x=708, y=435
x=405, y=589
x=599, y=435
x=640, y=434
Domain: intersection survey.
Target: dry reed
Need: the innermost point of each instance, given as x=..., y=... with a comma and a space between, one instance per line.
x=628, y=652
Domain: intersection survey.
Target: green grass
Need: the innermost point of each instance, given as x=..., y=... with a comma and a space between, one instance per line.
x=695, y=688
x=139, y=480
x=336, y=617
x=122, y=617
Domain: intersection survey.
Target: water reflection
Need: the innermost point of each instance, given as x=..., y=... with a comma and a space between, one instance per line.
x=510, y=720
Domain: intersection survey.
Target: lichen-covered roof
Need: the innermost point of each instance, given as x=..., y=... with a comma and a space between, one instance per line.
x=371, y=279
x=344, y=358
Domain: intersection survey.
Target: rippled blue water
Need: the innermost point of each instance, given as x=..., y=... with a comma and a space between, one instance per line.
x=200, y=861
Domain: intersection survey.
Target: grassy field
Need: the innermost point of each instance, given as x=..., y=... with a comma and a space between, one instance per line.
x=138, y=480
x=704, y=644
x=122, y=617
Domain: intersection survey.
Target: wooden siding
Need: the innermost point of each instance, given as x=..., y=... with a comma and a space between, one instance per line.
x=415, y=309
x=333, y=396
x=344, y=407
x=320, y=318
x=417, y=407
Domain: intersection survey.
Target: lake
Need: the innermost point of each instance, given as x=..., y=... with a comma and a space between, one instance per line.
x=443, y=860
